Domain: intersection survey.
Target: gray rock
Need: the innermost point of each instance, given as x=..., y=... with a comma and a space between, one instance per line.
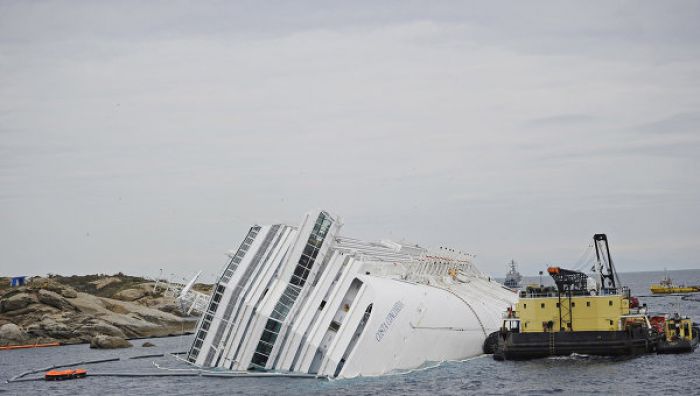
x=129, y=294
x=59, y=317
x=116, y=308
x=17, y=301
x=11, y=332
x=47, y=284
x=104, y=282
x=171, y=308
x=102, y=328
x=52, y=326
x=55, y=300
x=31, y=311
x=109, y=342
x=53, y=286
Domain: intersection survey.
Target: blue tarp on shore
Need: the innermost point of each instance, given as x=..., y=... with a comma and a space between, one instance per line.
x=17, y=281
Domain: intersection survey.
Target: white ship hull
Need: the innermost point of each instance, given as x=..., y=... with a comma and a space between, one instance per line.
x=306, y=300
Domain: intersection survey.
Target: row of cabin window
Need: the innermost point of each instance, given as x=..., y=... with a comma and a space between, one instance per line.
x=573, y=304
x=204, y=329
x=298, y=279
x=206, y=323
x=233, y=265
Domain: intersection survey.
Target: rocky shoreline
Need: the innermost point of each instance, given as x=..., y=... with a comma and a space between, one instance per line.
x=104, y=311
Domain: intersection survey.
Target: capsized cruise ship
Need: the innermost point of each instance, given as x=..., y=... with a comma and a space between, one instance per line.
x=309, y=300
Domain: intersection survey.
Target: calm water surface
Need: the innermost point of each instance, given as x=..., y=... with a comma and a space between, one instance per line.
x=649, y=374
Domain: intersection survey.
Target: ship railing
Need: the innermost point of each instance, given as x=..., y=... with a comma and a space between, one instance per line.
x=190, y=301
x=538, y=294
x=431, y=269
x=544, y=294
x=624, y=291
x=609, y=291
x=194, y=301
x=379, y=256
x=512, y=315
x=367, y=250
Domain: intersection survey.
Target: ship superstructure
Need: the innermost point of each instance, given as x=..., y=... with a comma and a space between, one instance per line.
x=513, y=277
x=308, y=300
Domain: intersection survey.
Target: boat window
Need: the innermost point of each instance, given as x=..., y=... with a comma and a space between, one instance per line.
x=610, y=303
x=588, y=303
x=573, y=304
x=524, y=306
x=542, y=305
x=268, y=336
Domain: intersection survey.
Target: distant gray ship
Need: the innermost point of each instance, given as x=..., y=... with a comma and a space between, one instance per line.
x=513, y=277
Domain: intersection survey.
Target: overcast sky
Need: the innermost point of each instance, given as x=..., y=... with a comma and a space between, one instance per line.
x=147, y=135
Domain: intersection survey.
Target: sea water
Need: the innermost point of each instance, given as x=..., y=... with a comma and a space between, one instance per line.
x=647, y=374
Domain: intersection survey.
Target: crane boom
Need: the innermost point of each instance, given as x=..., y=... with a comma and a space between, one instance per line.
x=606, y=269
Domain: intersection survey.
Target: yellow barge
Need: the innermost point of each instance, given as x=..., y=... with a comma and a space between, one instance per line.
x=580, y=315
x=588, y=316
x=666, y=286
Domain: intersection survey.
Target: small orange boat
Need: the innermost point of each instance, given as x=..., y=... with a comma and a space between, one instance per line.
x=50, y=344
x=60, y=375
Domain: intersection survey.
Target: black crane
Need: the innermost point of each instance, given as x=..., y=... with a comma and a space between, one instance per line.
x=608, y=275
x=574, y=283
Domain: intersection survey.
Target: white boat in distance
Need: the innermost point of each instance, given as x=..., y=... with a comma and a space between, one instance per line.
x=308, y=300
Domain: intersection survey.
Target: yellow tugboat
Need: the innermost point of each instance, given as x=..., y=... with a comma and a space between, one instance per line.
x=666, y=286
x=580, y=315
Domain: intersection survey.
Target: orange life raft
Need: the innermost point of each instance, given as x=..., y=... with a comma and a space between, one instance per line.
x=60, y=375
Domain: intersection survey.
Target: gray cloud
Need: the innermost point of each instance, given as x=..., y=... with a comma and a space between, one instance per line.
x=678, y=124
x=560, y=120
x=146, y=136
